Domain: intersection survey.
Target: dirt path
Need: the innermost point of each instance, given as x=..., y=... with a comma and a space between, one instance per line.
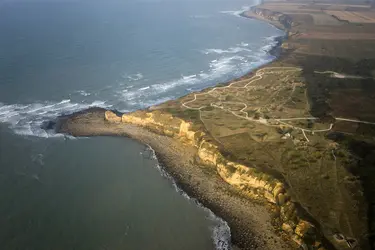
x=258, y=76
x=244, y=115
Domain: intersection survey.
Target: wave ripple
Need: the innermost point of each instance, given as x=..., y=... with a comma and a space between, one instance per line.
x=27, y=119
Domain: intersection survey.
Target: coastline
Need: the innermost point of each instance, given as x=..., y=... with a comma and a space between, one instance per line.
x=221, y=233
x=304, y=200
x=252, y=225
x=250, y=222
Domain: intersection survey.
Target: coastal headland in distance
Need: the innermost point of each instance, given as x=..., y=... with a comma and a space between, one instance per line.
x=284, y=154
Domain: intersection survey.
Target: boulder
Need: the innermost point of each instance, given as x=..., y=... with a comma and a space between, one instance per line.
x=303, y=228
x=281, y=198
x=279, y=188
x=112, y=117
x=287, y=228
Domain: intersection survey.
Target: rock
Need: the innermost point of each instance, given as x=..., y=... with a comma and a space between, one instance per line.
x=288, y=212
x=287, y=228
x=297, y=240
x=269, y=197
x=281, y=198
x=112, y=117
x=48, y=125
x=168, y=132
x=303, y=228
x=279, y=188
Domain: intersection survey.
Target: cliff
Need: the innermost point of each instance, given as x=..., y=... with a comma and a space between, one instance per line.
x=285, y=20
x=250, y=181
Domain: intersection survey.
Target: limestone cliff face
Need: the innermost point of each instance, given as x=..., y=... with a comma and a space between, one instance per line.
x=285, y=20
x=250, y=180
x=112, y=117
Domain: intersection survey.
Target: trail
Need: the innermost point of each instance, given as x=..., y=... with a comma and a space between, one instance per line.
x=354, y=120
x=244, y=115
x=334, y=74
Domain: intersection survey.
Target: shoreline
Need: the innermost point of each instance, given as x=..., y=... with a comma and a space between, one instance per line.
x=249, y=220
x=306, y=216
x=241, y=235
x=221, y=234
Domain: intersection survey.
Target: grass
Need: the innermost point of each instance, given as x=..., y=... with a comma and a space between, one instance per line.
x=300, y=164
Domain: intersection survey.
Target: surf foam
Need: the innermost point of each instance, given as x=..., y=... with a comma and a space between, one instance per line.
x=83, y=93
x=236, y=12
x=221, y=234
x=232, y=50
x=232, y=62
x=133, y=77
x=27, y=119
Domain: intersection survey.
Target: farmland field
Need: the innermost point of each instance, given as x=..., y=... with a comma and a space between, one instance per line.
x=352, y=16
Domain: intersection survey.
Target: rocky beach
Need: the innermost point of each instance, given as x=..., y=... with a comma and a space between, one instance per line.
x=256, y=205
x=249, y=220
x=272, y=153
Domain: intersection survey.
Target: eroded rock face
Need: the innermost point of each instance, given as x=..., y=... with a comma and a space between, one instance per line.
x=283, y=19
x=186, y=131
x=112, y=117
x=250, y=180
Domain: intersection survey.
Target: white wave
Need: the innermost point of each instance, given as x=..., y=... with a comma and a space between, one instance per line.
x=264, y=51
x=190, y=77
x=236, y=12
x=218, y=69
x=225, y=65
x=184, y=80
x=83, y=93
x=271, y=38
x=236, y=65
x=221, y=234
x=149, y=103
x=27, y=119
x=144, y=88
x=232, y=50
x=135, y=77
x=128, y=95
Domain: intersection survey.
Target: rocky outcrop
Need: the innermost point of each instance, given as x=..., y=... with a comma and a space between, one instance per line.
x=249, y=180
x=112, y=117
x=285, y=20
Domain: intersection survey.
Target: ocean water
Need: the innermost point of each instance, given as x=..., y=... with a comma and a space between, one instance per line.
x=61, y=56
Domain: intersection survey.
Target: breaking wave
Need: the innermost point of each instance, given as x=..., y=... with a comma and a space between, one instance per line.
x=230, y=63
x=27, y=119
x=236, y=12
x=224, y=64
x=133, y=77
x=232, y=50
x=83, y=93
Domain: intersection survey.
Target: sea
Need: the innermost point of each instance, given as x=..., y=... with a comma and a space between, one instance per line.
x=61, y=56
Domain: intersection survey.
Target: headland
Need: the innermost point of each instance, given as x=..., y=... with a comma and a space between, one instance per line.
x=284, y=154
